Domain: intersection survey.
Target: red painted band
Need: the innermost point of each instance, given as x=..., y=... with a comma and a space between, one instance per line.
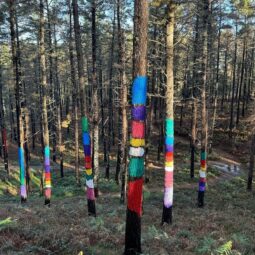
x=135, y=189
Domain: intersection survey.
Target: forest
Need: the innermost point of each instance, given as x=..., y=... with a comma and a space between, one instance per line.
x=127, y=127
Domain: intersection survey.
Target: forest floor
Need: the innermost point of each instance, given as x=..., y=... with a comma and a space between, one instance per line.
x=227, y=222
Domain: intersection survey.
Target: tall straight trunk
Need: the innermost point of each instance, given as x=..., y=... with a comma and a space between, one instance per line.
x=124, y=104
x=231, y=124
x=251, y=166
x=33, y=127
x=95, y=95
x=245, y=81
x=215, y=101
x=57, y=92
x=75, y=96
x=250, y=78
x=25, y=114
x=169, y=121
x=85, y=123
x=225, y=81
x=203, y=79
x=150, y=114
x=12, y=119
x=19, y=101
x=102, y=108
x=137, y=143
x=50, y=52
x=194, y=92
x=3, y=126
x=241, y=83
x=44, y=85
x=111, y=131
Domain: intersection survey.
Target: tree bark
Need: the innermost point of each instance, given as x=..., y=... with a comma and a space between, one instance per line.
x=124, y=104
x=44, y=85
x=85, y=123
x=19, y=101
x=169, y=121
x=203, y=80
x=251, y=167
x=136, y=164
x=3, y=126
x=75, y=97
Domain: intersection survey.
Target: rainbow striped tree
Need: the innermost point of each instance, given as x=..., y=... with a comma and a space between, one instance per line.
x=137, y=143
x=86, y=141
x=88, y=167
x=46, y=139
x=169, y=125
x=204, y=6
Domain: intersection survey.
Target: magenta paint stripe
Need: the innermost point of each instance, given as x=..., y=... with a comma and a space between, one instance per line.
x=90, y=193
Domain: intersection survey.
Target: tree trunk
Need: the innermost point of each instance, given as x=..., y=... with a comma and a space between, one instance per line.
x=85, y=124
x=251, y=167
x=124, y=104
x=19, y=102
x=194, y=93
x=3, y=126
x=75, y=97
x=231, y=124
x=57, y=92
x=44, y=85
x=169, y=122
x=95, y=97
x=136, y=164
x=203, y=80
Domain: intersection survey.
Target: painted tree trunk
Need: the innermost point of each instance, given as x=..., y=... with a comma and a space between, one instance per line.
x=203, y=80
x=194, y=93
x=19, y=106
x=88, y=167
x=137, y=142
x=169, y=124
x=85, y=125
x=44, y=85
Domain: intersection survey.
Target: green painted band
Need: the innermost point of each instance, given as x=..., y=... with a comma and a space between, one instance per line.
x=136, y=167
x=169, y=127
x=85, y=124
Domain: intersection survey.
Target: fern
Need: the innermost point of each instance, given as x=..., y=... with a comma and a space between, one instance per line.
x=206, y=246
x=225, y=249
x=5, y=222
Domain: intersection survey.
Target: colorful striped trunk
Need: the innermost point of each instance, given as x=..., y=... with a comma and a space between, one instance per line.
x=47, y=175
x=169, y=168
x=88, y=167
x=136, y=167
x=23, y=189
x=202, y=178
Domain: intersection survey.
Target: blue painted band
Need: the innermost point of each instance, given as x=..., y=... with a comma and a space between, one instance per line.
x=85, y=138
x=139, y=90
x=169, y=140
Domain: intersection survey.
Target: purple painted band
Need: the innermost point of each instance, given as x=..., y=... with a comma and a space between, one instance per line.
x=201, y=188
x=47, y=169
x=169, y=148
x=47, y=161
x=87, y=150
x=23, y=191
x=201, y=184
x=138, y=112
